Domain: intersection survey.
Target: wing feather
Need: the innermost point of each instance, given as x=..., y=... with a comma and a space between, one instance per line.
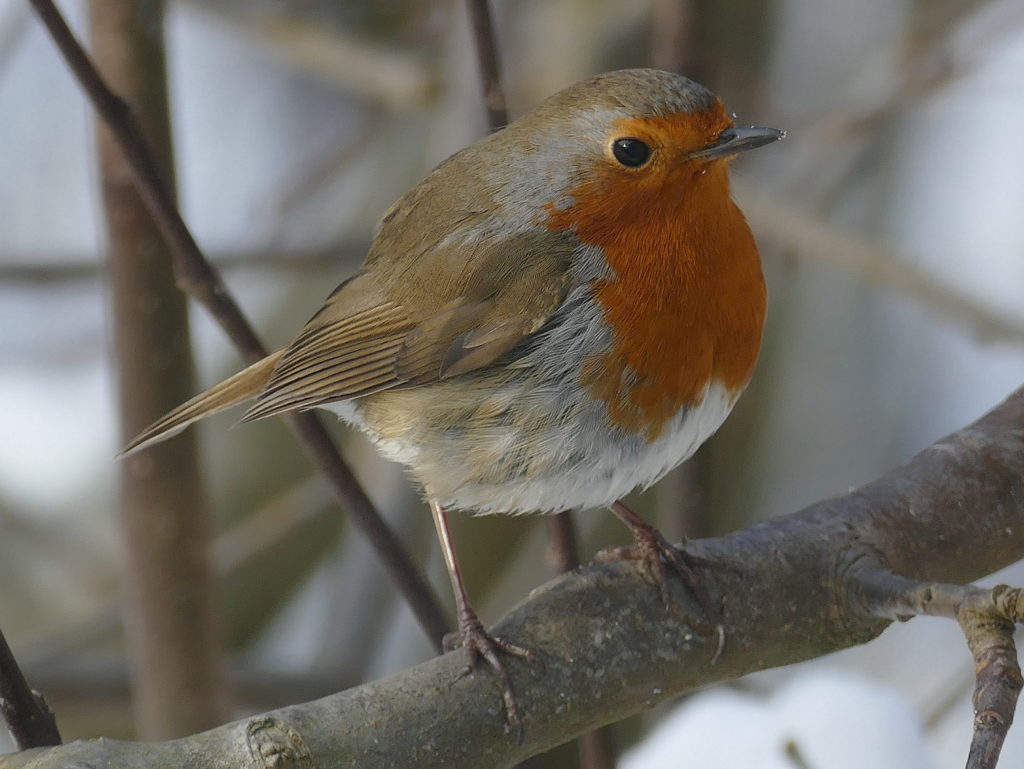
x=412, y=322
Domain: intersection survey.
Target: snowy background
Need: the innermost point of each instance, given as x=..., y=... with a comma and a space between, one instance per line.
x=905, y=142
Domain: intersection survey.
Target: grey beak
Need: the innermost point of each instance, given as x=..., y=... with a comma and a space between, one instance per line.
x=737, y=139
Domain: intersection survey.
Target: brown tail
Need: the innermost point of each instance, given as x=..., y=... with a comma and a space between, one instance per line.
x=242, y=386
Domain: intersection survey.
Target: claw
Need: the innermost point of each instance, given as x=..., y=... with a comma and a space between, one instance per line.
x=479, y=644
x=471, y=634
x=657, y=553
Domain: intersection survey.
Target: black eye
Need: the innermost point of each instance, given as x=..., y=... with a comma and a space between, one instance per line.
x=631, y=152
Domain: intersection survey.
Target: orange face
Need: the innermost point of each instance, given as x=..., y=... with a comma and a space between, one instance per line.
x=686, y=303
x=672, y=139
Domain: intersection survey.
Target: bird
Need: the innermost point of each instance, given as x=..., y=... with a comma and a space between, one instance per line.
x=553, y=317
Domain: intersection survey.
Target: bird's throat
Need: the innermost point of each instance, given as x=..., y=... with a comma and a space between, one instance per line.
x=685, y=299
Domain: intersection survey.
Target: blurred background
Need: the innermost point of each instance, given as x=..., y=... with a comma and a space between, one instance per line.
x=891, y=226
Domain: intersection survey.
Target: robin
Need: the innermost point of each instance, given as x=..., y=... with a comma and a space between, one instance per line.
x=555, y=316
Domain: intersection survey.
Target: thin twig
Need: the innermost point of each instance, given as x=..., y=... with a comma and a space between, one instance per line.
x=672, y=34
x=950, y=694
x=29, y=719
x=987, y=618
x=563, y=551
x=989, y=633
x=597, y=749
x=197, y=277
x=72, y=266
x=795, y=755
x=487, y=55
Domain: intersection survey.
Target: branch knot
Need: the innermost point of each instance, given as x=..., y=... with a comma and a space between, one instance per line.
x=273, y=744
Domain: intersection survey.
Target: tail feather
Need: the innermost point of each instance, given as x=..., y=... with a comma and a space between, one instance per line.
x=241, y=387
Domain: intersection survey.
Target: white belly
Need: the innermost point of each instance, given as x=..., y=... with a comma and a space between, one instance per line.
x=575, y=463
x=531, y=438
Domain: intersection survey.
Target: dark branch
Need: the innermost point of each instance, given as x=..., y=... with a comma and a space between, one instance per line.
x=563, y=552
x=29, y=719
x=197, y=277
x=487, y=55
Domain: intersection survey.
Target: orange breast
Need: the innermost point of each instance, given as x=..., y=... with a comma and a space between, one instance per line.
x=687, y=300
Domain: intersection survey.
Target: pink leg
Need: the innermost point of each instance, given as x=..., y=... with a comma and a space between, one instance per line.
x=471, y=634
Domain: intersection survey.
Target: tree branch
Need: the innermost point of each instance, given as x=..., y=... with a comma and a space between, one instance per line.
x=197, y=277
x=987, y=618
x=487, y=56
x=790, y=590
x=29, y=719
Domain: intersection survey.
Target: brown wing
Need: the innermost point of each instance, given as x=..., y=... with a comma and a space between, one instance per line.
x=407, y=322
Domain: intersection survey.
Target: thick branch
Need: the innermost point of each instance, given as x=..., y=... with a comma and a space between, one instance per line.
x=608, y=648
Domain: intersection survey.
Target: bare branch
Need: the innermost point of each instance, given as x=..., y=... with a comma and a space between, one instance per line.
x=68, y=267
x=487, y=54
x=29, y=719
x=790, y=589
x=987, y=618
x=989, y=631
x=198, y=278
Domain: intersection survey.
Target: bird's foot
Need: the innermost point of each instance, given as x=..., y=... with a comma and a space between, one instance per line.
x=657, y=554
x=479, y=644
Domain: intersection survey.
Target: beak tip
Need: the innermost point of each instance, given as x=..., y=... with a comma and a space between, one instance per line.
x=758, y=136
x=739, y=139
